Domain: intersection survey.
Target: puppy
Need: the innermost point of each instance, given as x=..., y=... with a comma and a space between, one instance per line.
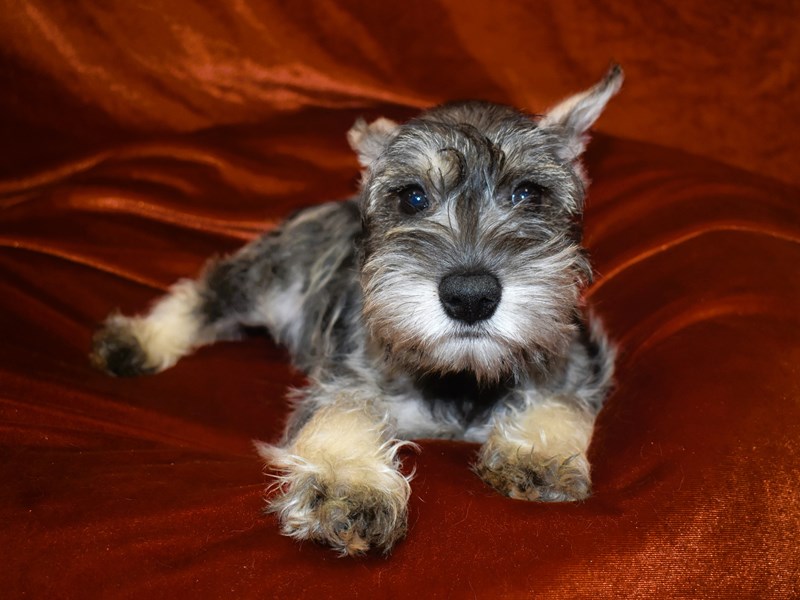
x=444, y=301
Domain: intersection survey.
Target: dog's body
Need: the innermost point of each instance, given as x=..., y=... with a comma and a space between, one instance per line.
x=444, y=301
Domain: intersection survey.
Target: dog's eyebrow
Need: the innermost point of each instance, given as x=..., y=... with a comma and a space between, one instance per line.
x=462, y=164
x=496, y=155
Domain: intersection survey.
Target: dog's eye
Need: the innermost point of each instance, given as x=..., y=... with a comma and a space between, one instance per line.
x=412, y=199
x=527, y=192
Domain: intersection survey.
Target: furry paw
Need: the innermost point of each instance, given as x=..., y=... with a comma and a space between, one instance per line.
x=117, y=351
x=556, y=479
x=351, y=519
x=339, y=481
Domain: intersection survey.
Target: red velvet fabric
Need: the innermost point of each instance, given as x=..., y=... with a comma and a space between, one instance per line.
x=138, y=140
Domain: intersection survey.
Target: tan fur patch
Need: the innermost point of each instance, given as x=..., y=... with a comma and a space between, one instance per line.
x=551, y=428
x=171, y=329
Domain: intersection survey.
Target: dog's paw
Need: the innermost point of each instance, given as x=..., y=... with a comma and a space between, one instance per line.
x=351, y=519
x=554, y=479
x=117, y=351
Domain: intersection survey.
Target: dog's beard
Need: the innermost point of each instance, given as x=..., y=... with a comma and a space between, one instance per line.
x=530, y=328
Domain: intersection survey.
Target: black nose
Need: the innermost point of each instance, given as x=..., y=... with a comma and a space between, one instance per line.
x=470, y=297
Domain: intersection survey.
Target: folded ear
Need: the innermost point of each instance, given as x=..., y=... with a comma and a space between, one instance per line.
x=572, y=118
x=369, y=140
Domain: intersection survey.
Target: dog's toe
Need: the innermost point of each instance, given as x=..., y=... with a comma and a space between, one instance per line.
x=557, y=479
x=349, y=520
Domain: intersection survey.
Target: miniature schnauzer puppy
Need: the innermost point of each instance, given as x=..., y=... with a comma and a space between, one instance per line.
x=444, y=301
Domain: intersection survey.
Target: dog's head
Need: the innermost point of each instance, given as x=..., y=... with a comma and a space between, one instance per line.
x=471, y=252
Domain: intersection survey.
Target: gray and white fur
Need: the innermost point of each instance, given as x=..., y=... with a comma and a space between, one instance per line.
x=444, y=301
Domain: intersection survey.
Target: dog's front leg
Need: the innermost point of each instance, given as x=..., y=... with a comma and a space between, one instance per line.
x=339, y=480
x=539, y=452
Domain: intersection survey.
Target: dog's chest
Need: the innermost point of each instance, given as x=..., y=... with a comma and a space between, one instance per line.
x=460, y=396
x=452, y=406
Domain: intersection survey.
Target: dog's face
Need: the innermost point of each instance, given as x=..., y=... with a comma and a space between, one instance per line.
x=471, y=252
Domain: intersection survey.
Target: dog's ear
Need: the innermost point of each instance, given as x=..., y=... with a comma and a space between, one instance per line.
x=572, y=118
x=370, y=139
